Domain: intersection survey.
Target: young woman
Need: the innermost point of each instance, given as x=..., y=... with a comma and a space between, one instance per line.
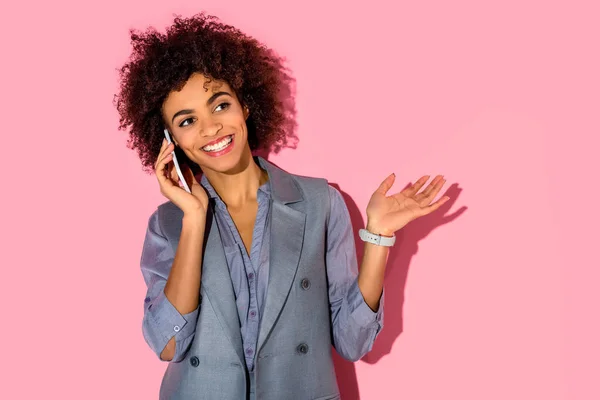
x=252, y=277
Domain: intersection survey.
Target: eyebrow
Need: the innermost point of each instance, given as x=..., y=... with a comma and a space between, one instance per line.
x=209, y=102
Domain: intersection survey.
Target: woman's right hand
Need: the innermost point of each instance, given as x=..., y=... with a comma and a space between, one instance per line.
x=190, y=203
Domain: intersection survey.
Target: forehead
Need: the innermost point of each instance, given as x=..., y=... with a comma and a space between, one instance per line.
x=198, y=88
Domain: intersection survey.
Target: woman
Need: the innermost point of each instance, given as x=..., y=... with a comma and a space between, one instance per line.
x=252, y=276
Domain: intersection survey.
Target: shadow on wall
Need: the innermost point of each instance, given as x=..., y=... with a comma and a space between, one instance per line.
x=398, y=261
x=395, y=281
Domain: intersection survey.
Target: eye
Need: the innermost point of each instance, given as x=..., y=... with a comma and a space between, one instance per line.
x=225, y=106
x=182, y=124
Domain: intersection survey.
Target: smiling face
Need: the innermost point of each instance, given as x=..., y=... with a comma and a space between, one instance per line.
x=208, y=125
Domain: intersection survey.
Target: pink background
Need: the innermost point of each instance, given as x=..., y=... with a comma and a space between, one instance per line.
x=495, y=294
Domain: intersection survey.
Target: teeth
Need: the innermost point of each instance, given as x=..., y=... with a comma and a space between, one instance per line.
x=218, y=146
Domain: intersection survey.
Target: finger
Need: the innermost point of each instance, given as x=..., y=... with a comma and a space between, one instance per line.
x=172, y=171
x=431, y=190
x=162, y=146
x=164, y=149
x=161, y=168
x=165, y=157
x=170, y=148
x=163, y=165
x=435, y=190
x=386, y=184
x=411, y=190
x=432, y=207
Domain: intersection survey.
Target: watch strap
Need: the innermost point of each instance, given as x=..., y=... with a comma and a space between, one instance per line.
x=379, y=240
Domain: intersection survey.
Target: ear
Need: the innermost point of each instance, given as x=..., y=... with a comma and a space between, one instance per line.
x=174, y=140
x=246, y=112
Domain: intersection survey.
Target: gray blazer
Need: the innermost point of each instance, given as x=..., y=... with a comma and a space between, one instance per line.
x=293, y=354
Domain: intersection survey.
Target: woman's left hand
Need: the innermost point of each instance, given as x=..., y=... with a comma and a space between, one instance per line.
x=387, y=214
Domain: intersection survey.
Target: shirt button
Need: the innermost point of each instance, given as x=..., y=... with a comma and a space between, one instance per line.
x=176, y=328
x=251, y=275
x=302, y=348
x=147, y=299
x=249, y=351
x=194, y=361
x=253, y=313
x=305, y=284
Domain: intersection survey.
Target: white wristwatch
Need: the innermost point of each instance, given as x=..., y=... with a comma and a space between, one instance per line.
x=379, y=240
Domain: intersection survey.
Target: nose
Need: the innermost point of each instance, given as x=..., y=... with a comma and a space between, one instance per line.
x=211, y=128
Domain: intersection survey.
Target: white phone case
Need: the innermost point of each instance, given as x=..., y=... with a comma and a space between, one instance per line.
x=181, y=178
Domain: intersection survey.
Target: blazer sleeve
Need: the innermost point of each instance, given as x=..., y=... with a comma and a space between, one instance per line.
x=355, y=326
x=161, y=319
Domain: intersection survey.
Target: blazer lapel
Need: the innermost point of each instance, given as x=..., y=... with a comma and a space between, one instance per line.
x=287, y=233
x=286, y=239
x=217, y=285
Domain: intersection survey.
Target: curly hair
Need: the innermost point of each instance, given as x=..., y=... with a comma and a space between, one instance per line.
x=161, y=63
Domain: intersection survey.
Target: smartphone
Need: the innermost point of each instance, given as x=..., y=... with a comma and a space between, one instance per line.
x=181, y=178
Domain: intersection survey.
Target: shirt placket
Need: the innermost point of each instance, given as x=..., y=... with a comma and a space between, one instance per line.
x=251, y=263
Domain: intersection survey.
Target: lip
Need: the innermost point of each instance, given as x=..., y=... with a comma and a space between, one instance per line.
x=222, y=152
x=215, y=141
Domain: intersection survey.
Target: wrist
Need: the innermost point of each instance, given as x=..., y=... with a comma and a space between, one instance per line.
x=194, y=219
x=375, y=228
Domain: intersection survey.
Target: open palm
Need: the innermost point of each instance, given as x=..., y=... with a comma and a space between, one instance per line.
x=386, y=214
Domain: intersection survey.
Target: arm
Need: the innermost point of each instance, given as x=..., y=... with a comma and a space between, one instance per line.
x=372, y=270
x=171, y=305
x=355, y=324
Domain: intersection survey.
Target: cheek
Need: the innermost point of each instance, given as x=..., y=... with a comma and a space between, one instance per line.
x=187, y=142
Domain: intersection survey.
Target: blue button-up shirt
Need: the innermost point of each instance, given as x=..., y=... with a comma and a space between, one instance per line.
x=249, y=275
x=249, y=272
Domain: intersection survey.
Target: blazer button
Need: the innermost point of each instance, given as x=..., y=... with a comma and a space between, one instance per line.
x=305, y=284
x=194, y=361
x=302, y=348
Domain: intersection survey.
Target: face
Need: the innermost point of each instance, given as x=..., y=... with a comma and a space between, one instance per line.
x=208, y=125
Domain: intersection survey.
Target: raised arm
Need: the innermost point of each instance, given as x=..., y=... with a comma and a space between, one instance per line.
x=355, y=325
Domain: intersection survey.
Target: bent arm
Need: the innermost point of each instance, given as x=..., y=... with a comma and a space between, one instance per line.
x=172, y=300
x=356, y=316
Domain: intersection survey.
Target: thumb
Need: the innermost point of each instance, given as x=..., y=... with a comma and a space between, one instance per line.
x=386, y=184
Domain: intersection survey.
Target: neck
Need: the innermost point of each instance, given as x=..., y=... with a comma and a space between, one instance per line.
x=238, y=188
